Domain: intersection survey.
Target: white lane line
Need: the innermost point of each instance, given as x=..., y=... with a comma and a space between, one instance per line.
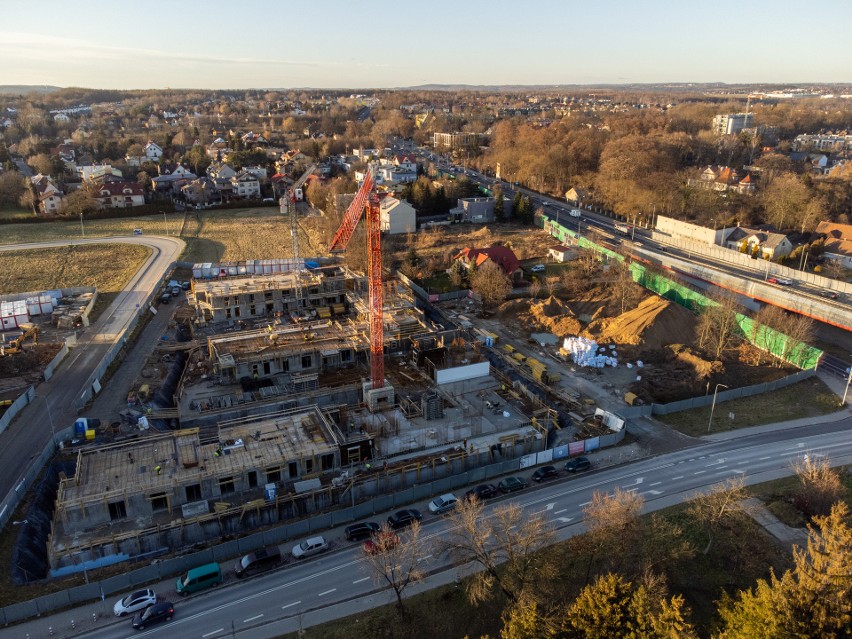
x=558, y=512
x=210, y=634
x=327, y=592
x=583, y=505
x=290, y=605
x=656, y=483
x=699, y=472
x=720, y=467
x=678, y=477
x=253, y=618
x=424, y=558
x=358, y=581
x=765, y=458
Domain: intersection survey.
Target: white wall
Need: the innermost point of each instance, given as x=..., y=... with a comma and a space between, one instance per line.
x=684, y=230
x=461, y=373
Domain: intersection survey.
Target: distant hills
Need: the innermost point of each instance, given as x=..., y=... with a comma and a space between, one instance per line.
x=23, y=89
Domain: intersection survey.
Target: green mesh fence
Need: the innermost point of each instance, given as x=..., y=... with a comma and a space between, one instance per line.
x=763, y=337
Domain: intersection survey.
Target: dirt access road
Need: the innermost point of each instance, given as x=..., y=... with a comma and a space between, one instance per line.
x=54, y=407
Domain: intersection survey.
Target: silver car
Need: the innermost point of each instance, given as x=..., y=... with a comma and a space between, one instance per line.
x=135, y=602
x=309, y=547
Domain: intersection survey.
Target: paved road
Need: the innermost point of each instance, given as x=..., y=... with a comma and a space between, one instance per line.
x=340, y=583
x=53, y=408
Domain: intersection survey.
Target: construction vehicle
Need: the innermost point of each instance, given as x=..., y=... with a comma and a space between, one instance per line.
x=30, y=331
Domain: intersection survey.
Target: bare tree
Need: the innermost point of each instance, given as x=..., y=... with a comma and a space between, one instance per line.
x=613, y=525
x=717, y=326
x=396, y=560
x=535, y=288
x=624, y=290
x=504, y=543
x=821, y=485
x=714, y=509
x=490, y=283
x=785, y=335
x=550, y=284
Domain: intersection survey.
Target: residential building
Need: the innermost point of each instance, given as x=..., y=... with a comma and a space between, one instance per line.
x=722, y=178
x=502, y=256
x=456, y=140
x=201, y=191
x=397, y=216
x=220, y=170
x=838, y=242
x=94, y=171
x=118, y=194
x=50, y=197
x=405, y=162
x=731, y=123
x=153, y=151
x=766, y=242
x=561, y=253
x=218, y=149
x=823, y=142
x=246, y=185
x=577, y=196
x=474, y=210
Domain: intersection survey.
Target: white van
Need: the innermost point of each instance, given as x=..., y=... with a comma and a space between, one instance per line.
x=575, y=213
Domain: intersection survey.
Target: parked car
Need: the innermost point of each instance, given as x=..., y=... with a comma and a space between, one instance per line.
x=483, y=491
x=134, y=602
x=577, y=464
x=175, y=291
x=545, y=472
x=511, y=484
x=830, y=295
x=443, y=504
x=163, y=611
x=257, y=561
x=538, y=268
x=363, y=530
x=165, y=298
x=381, y=542
x=199, y=578
x=310, y=547
x=403, y=518
x=184, y=285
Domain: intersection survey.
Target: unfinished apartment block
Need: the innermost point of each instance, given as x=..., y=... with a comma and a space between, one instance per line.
x=320, y=293
x=167, y=478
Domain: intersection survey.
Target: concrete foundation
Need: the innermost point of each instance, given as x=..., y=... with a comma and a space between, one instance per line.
x=380, y=398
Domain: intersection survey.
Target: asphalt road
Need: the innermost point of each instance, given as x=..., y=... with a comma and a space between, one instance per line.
x=338, y=583
x=54, y=409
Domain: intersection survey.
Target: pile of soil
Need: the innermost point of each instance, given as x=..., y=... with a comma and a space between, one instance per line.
x=653, y=324
x=550, y=315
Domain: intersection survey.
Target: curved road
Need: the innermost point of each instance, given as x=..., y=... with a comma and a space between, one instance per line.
x=54, y=407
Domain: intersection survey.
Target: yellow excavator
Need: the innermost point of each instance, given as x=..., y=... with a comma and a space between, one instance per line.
x=30, y=331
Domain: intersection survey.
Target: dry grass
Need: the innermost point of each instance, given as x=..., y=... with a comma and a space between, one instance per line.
x=70, y=229
x=63, y=267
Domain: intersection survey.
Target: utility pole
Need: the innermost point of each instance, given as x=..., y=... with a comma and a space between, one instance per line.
x=846, y=392
x=713, y=406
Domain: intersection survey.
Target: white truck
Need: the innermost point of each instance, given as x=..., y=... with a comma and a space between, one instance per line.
x=575, y=213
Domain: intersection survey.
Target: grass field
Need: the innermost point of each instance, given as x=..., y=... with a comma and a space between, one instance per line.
x=67, y=266
x=776, y=406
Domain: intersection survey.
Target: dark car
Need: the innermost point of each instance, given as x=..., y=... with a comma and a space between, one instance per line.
x=578, y=463
x=545, y=472
x=381, y=542
x=163, y=611
x=363, y=530
x=511, y=484
x=829, y=295
x=403, y=518
x=483, y=491
x=258, y=561
x=165, y=298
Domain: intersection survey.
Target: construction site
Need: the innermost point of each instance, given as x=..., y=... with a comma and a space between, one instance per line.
x=283, y=394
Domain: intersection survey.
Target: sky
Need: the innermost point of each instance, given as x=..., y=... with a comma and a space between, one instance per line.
x=219, y=44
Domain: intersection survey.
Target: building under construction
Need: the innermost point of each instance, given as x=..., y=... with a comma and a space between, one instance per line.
x=139, y=496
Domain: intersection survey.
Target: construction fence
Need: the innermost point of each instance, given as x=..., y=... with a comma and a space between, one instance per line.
x=23, y=399
x=724, y=396
x=383, y=501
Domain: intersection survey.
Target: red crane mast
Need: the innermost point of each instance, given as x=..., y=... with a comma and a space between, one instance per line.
x=367, y=198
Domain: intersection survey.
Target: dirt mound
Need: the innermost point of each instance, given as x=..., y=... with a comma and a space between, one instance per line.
x=513, y=308
x=654, y=323
x=555, y=316
x=482, y=234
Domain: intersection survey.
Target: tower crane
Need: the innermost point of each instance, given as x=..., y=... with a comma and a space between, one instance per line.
x=367, y=198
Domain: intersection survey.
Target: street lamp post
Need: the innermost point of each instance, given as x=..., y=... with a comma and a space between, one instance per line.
x=165, y=224
x=82, y=230
x=846, y=392
x=713, y=406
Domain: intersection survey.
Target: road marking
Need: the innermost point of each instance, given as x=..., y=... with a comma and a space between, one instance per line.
x=327, y=592
x=550, y=506
x=253, y=618
x=290, y=605
x=358, y=581
x=584, y=504
x=654, y=492
x=722, y=466
x=656, y=483
x=560, y=511
x=678, y=477
x=564, y=519
x=699, y=472
x=210, y=634
x=765, y=458
x=424, y=558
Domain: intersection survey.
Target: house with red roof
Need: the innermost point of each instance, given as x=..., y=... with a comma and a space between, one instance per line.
x=838, y=242
x=502, y=256
x=119, y=194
